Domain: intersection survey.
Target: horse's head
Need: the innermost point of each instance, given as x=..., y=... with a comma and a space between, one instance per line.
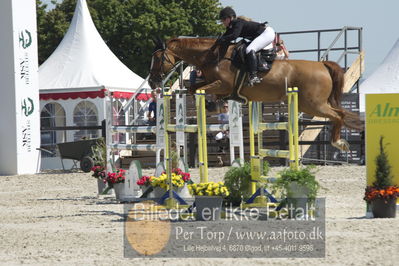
x=161, y=63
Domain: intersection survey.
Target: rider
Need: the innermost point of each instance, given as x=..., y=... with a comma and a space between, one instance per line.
x=260, y=34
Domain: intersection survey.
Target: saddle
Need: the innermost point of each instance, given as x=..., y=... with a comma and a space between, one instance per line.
x=265, y=60
x=265, y=57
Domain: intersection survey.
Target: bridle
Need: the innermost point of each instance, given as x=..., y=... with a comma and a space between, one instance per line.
x=164, y=58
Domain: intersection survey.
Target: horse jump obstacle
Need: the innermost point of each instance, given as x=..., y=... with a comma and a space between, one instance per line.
x=256, y=127
x=163, y=130
x=158, y=130
x=200, y=129
x=131, y=188
x=162, y=143
x=234, y=127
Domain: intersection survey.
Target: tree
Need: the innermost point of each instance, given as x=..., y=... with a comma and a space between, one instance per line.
x=51, y=27
x=383, y=176
x=128, y=26
x=41, y=24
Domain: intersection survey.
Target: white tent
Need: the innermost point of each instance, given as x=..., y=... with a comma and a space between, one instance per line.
x=385, y=79
x=83, y=60
x=74, y=81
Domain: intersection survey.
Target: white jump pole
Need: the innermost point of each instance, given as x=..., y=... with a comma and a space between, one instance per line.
x=19, y=101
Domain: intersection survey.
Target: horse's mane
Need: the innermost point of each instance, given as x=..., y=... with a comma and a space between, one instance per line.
x=194, y=42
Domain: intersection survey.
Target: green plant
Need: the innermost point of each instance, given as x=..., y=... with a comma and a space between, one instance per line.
x=304, y=177
x=99, y=152
x=238, y=181
x=383, y=176
x=174, y=157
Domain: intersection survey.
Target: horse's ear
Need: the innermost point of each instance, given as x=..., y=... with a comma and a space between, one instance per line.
x=159, y=43
x=162, y=42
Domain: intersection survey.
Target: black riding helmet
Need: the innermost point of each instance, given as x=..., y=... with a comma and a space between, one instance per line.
x=226, y=13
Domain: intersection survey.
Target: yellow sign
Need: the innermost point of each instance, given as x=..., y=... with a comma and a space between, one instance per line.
x=382, y=119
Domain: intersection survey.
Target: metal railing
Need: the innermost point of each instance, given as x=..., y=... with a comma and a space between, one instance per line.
x=323, y=53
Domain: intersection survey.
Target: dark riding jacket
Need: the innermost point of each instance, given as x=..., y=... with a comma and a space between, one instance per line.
x=242, y=28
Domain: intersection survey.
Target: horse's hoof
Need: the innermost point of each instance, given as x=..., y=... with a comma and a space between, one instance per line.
x=341, y=144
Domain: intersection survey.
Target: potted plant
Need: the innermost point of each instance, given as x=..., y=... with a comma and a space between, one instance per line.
x=298, y=187
x=99, y=172
x=238, y=181
x=116, y=180
x=208, y=199
x=185, y=176
x=382, y=194
x=145, y=183
x=98, y=152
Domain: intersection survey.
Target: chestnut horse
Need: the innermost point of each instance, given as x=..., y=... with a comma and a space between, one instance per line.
x=320, y=83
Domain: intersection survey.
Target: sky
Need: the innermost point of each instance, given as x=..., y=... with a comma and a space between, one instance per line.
x=379, y=20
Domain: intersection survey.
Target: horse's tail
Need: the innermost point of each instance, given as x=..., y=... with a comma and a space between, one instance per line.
x=351, y=120
x=337, y=76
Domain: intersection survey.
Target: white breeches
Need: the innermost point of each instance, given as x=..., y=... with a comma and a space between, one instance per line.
x=263, y=40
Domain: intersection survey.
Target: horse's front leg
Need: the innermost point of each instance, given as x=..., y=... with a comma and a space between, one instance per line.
x=213, y=85
x=212, y=106
x=196, y=86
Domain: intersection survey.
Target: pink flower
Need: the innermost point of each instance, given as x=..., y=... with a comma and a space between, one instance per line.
x=116, y=177
x=144, y=181
x=98, y=171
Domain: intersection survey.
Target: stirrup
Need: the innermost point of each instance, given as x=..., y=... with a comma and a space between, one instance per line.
x=254, y=80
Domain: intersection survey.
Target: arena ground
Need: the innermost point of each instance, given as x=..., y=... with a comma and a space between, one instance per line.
x=56, y=218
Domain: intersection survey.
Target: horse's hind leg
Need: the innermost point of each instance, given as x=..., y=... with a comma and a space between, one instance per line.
x=336, y=117
x=336, y=141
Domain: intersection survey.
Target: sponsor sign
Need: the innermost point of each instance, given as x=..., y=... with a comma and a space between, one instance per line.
x=382, y=119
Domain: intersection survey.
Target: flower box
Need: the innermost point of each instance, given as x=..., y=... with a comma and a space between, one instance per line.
x=383, y=208
x=116, y=180
x=208, y=199
x=120, y=191
x=161, y=185
x=101, y=186
x=209, y=208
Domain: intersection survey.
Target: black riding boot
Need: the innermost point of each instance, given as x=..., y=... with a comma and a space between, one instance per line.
x=252, y=62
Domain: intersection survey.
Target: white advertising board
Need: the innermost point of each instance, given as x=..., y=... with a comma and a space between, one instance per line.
x=19, y=104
